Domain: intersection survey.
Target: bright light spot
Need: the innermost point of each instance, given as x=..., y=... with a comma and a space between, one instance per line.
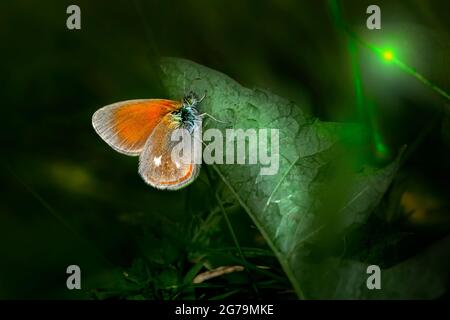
x=157, y=161
x=388, y=55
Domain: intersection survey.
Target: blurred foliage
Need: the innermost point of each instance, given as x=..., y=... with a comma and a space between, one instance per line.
x=69, y=199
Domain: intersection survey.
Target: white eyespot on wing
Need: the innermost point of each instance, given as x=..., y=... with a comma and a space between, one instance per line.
x=157, y=161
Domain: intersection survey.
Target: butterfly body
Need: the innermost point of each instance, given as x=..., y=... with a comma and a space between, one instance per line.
x=187, y=116
x=144, y=128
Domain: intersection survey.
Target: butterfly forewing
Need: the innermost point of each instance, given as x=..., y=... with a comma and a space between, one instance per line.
x=127, y=125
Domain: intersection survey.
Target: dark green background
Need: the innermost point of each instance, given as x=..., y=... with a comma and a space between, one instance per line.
x=68, y=198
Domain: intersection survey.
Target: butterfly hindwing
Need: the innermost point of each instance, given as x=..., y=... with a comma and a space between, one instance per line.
x=156, y=165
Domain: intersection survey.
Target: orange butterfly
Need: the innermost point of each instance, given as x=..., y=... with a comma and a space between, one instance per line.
x=143, y=128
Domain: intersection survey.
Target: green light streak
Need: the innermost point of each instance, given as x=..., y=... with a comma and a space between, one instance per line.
x=336, y=13
x=388, y=55
x=381, y=150
x=365, y=110
x=411, y=71
x=353, y=50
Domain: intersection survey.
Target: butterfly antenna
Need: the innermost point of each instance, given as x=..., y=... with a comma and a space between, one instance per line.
x=203, y=97
x=207, y=114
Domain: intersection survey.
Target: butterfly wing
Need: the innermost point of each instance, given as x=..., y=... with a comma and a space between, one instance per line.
x=156, y=165
x=127, y=125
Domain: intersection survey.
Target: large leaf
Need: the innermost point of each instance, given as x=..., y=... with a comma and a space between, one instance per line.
x=320, y=191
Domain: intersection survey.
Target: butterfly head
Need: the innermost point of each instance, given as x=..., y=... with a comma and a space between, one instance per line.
x=192, y=100
x=187, y=116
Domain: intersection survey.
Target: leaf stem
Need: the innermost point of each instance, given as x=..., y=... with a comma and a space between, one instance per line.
x=233, y=235
x=283, y=262
x=236, y=242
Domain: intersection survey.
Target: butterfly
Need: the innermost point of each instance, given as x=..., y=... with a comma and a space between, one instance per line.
x=144, y=128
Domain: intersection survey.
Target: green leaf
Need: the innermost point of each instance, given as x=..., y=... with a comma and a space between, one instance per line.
x=321, y=190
